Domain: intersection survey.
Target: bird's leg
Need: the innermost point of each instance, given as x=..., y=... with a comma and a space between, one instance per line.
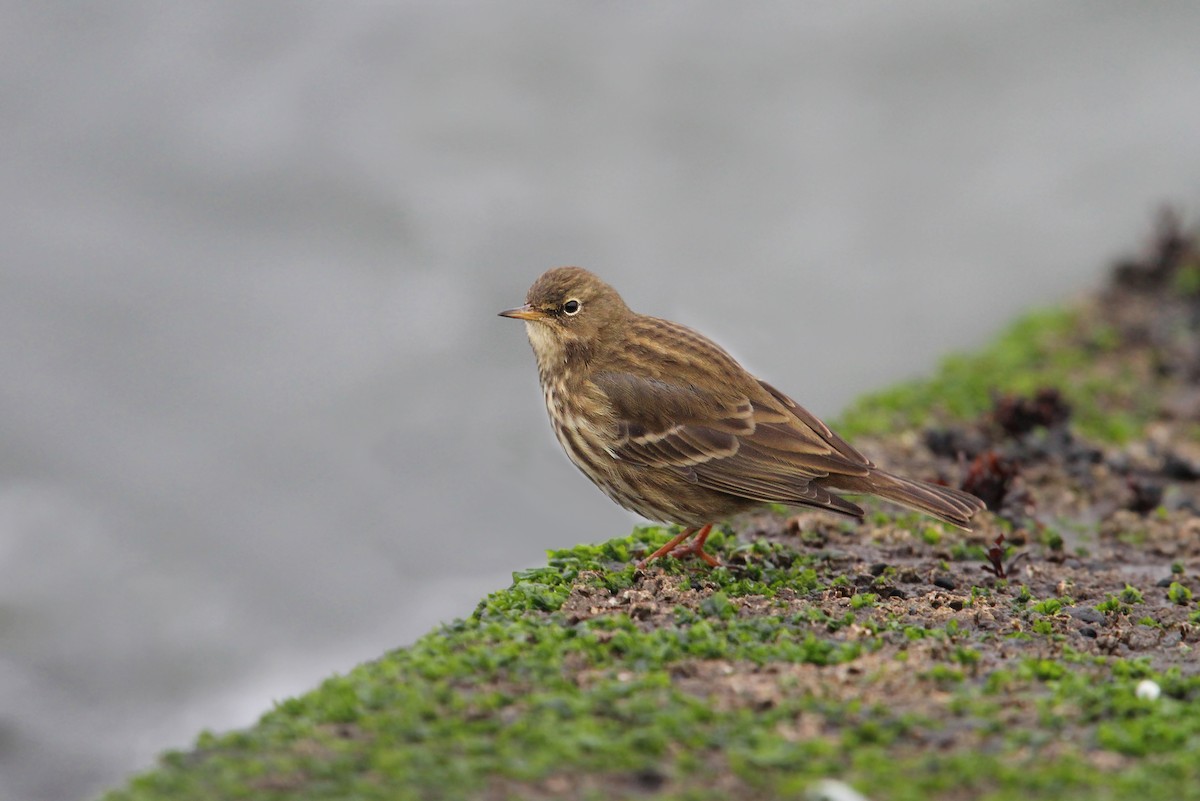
x=670, y=546
x=696, y=548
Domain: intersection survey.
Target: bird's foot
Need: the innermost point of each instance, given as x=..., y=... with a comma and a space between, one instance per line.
x=694, y=548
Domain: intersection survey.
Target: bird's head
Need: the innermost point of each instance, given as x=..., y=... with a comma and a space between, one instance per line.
x=568, y=313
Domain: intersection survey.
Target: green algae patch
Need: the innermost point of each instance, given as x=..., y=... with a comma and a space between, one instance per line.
x=1059, y=348
x=591, y=678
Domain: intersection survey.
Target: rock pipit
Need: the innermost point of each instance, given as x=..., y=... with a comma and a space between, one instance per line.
x=670, y=426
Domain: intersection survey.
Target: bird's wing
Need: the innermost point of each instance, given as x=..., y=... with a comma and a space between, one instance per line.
x=764, y=448
x=813, y=424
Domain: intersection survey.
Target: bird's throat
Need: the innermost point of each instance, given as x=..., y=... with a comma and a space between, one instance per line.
x=546, y=347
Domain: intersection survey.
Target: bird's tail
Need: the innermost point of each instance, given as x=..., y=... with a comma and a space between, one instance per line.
x=945, y=503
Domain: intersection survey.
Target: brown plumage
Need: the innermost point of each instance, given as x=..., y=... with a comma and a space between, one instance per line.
x=670, y=426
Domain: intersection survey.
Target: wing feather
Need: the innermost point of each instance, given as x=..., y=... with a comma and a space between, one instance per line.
x=765, y=448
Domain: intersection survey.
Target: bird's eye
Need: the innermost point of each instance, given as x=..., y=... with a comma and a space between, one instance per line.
x=571, y=307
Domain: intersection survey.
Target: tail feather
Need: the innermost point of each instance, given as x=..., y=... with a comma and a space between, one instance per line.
x=945, y=503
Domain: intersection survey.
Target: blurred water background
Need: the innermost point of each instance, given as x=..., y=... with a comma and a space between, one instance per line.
x=258, y=419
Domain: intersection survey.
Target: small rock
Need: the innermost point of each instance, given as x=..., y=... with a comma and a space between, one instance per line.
x=1146, y=494
x=1177, y=468
x=1086, y=614
x=651, y=778
x=1141, y=638
x=985, y=620
x=945, y=582
x=949, y=443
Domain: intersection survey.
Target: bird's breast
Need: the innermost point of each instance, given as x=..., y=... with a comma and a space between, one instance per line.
x=579, y=422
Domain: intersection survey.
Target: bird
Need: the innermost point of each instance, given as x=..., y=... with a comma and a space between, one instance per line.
x=670, y=426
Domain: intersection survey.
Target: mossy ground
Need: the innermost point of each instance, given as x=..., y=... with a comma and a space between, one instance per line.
x=881, y=653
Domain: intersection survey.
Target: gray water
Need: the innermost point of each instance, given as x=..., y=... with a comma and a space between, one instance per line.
x=258, y=419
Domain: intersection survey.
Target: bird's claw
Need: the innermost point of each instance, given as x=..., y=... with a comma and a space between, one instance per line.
x=696, y=549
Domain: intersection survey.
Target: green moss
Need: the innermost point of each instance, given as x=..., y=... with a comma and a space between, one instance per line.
x=1112, y=606
x=1050, y=348
x=943, y=674
x=1179, y=594
x=961, y=551
x=1050, y=606
x=491, y=699
x=1136, y=536
x=1187, y=279
x=1132, y=595
x=1052, y=539
x=863, y=600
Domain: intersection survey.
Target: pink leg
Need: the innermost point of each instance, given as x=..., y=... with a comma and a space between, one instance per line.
x=695, y=548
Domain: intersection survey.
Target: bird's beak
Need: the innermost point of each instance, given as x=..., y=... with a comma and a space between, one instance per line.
x=525, y=312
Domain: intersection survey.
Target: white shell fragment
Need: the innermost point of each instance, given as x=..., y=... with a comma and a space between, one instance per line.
x=1148, y=690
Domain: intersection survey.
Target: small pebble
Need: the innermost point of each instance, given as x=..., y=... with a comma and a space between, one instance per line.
x=833, y=790
x=1148, y=690
x=1179, y=469
x=945, y=582
x=1087, y=614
